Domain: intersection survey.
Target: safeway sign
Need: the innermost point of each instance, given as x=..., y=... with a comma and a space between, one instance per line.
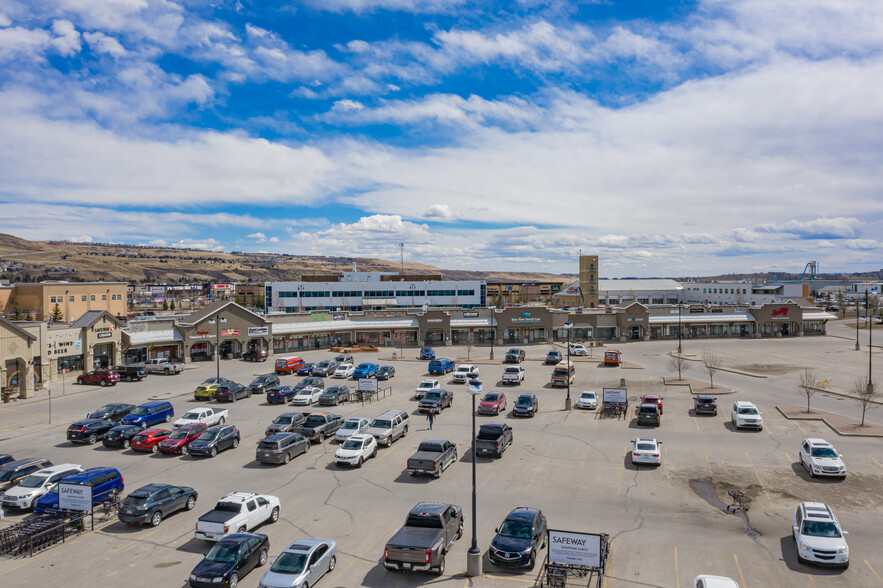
x=74, y=497
x=575, y=549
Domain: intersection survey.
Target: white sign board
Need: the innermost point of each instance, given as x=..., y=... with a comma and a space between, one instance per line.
x=615, y=395
x=576, y=549
x=74, y=497
x=367, y=385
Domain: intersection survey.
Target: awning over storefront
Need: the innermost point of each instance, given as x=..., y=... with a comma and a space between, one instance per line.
x=379, y=302
x=327, y=326
x=692, y=319
x=817, y=315
x=462, y=323
x=153, y=337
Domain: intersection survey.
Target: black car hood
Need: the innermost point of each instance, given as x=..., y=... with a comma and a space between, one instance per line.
x=211, y=569
x=197, y=444
x=511, y=544
x=100, y=415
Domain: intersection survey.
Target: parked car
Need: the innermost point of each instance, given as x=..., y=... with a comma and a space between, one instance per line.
x=706, y=581
x=255, y=354
x=163, y=366
x=588, y=400
x=311, y=382
x=425, y=386
x=431, y=529
x=351, y=426
x=553, y=358
x=230, y=560
x=179, y=441
x=433, y=456
x=153, y=502
x=344, y=358
x=578, y=349
x=705, y=404
x=281, y=447
x=203, y=415
x=5, y=458
x=280, y=395
x=206, y=390
x=519, y=539
x=648, y=414
x=306, y=369
x=231, y=392
x=526, y=405
x=134, y=372
x=285, y=423
x=215, y=439
x=646, y=451
x=492, y=403
x=301, y=564
x=389, y=426
x=652, y=399
x=612, y=357
x=149, y=414
x=100, y=377
x=89, y=431
x=435, y=401
x=307, y=396
x=31, y=487
x=121, y=436
x=237, y=512
x=746, y=416
x=14, y=471
x=385, y=372
x=105, y=483
x=261, y=384
x=365, y=370
x=427, y=353
x=514, y=355
x=513, y=375
x=148, y=439
x=821, y=459
x=355, y=450
x=112, y=412
x=493, y=438
x=562, y=374
x=818, y=535
x=440, y=366
x=344, y=370
x=324, y=368
x=288, y=364
x=319, y=425
x=334, y=395
x=464, y=373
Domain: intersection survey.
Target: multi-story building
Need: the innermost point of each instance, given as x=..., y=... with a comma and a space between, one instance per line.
x=745, y=292
x=74, y=299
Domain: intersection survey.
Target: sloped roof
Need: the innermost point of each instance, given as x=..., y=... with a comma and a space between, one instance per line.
x=16, y=329
x=214, y=308
x=90, y=317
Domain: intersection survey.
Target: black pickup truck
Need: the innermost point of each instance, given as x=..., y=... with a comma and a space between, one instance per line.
x=432, y=457
x=429, y=533
x=493, y=438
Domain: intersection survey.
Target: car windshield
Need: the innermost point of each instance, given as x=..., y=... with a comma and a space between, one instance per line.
x=352, y=444
x=33, y=481
x=106, y=408
x=380, y=424
x=262, y=379
x=135, y=501
x=190, y=416
x=364, y=366
x=351, y=425
x=524, y=399
x=820, y=529
x=824, y=452
x=268, y=445
x=425, y=385
x=222, y=553
x=140, y=437
x=463, y=369
x=323, y=364
x=208, y=436
x=139, y=411
x=516, y=529
x=433, y=396
x=749, y=410
x=492, y=397
x=513, y=351
x=588, y=395
x=705, y=400
x=179, y=434
x=282, y=420
x=646, y=446
x=308, y=391
x=289, y=563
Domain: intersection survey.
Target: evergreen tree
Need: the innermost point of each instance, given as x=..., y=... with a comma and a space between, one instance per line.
x=172, y=305
x=56, y=315
x=165, y=304
x=16, y=311
x=29, y=316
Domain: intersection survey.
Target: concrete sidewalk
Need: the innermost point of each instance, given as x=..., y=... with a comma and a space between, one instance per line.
x=841, y=425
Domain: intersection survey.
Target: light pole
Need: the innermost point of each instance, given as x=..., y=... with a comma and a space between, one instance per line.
x=473, y=556
x=218, y=347
x=870, y=346
x=857, y=346
x=493, y=336
x=679, y=327
x=567, y=326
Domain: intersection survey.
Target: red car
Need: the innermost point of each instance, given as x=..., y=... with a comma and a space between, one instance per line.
x=492, y=403
x=180, y=439
x=148, y=439
x=100, y=377
x=653, y=399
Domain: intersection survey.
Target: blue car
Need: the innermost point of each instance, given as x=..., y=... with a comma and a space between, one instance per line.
x=280, y=395
x=105, y=482
x=152, y=413
x=306, y=370
x=365, y=370
x=441, y=366
x=427, y=353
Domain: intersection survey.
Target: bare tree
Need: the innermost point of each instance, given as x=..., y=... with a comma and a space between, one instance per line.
x=712, y=364
x=470, y=339
x=678, y=363
x=808, y=385
x=867, y=394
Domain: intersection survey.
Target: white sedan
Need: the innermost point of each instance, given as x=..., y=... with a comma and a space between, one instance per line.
x=355, y=450
x=588, y=400
x=646, y=451
x=306, y=396
x=344, y=370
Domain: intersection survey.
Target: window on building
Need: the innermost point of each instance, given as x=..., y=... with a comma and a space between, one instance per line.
x=52, y=299
x=104, y=297
x=92, y=298
x=71, y=299
x=83, y=298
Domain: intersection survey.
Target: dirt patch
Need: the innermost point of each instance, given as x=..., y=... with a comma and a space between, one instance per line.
x=769, y=369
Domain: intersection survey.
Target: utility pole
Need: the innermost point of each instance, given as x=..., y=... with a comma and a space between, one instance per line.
x=402, y=249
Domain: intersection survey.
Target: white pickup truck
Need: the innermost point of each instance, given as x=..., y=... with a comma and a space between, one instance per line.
x=238, y=512
x=202, y=415
x=514, y=374
x=163, y=366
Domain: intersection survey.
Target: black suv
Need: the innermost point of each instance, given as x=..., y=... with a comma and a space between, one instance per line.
x=526, y=405
x=112, y=412
x=704, y=404
x=334, y=395
x=134, y=372
x=281, y=447
x=231, y=392
x=215, y=439
x=515, y=355
x=518, y=539
x=261, y=384
x=149, y=504
x=121, y=436
x=89, y=431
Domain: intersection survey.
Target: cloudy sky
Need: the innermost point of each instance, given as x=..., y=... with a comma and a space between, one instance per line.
x=670, y=138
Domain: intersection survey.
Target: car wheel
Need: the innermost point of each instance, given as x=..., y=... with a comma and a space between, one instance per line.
x=156, y=519
x=241, y=529
x=459, y=532
x=166, y=372
x=331, y=563
x=143, y=424
x=321, y=437
x=274, y=516
x=127, y=444
x=404, y=434
x=93, y=438
x=168, y=417
x=213, y=452
x=374, y=453
x=154, y=449
x=80, y=381
x=533, y=561
x=248, y=394
x=359, y=464
x=191, y=502
x=128, y=378
x=185, y=450
x=102, y=383
x=441, y=567
x=235, y=443
x=287, y=458
x=222, y=420
x=234, y=580
x=262, y=558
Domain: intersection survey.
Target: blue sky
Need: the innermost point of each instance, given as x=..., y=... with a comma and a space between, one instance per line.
x=670, y=138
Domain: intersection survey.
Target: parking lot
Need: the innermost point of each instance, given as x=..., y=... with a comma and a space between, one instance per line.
x=666, y=523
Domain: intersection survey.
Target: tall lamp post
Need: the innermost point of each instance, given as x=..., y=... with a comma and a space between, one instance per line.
x=679, y=327
x=857, y=346
x=567, y=326
x=218, y=347
x=473, y=556
x=870, y=320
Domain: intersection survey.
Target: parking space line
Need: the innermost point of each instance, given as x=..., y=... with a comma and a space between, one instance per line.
x=879, y=579
x=508, y=578
x=539, y=464
x=677, y=571
x=695, y=422
x=739, y=569
x=367, y=549
x=708, y=463
x=490, y=475
x=877, y=462
x=788, y=456
x=759, y=481
x=811, y=581
x=609, y=567
x=801, y=429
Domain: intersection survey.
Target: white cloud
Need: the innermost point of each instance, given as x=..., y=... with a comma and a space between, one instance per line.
x=347, y=106
x=204, y=244
x=274, y=239
x=259, y=236
x=67, y=38
x=101, y=43
x=413, y=6
x=441, y=212
x=80, y=239
x=819, y=228
x=5, y=21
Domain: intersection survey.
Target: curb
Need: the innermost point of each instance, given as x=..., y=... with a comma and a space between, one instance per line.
x=830, y=426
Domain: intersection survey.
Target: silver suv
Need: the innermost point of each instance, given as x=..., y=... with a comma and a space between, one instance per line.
x=389, y=426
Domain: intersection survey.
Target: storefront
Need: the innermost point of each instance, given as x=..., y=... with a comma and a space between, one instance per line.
x=225, y=326
x=152, y=339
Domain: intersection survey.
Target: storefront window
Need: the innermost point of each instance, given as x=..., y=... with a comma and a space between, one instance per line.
x=70, y=363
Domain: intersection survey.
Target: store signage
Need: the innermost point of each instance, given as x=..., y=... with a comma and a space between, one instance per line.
x=323, y=316
x=258, y=330
x=576, y=549
x=105, y=335
x=102, y=329
x=338, y=316
x=202, y=332
x=367, y=385
x=526, y=319
x=635, y=319
x=470, y=314
x=740, y=309
x=697, y=311
x=202, y=335
x=615, y=394
x=74, y=497
x=229, y=332
x=434, y=320
x=383, y=315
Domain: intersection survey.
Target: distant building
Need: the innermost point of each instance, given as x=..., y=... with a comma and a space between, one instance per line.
x=744, y=292
x=74, y=299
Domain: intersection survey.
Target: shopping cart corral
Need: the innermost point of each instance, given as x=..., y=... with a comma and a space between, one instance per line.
x=575, y=559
